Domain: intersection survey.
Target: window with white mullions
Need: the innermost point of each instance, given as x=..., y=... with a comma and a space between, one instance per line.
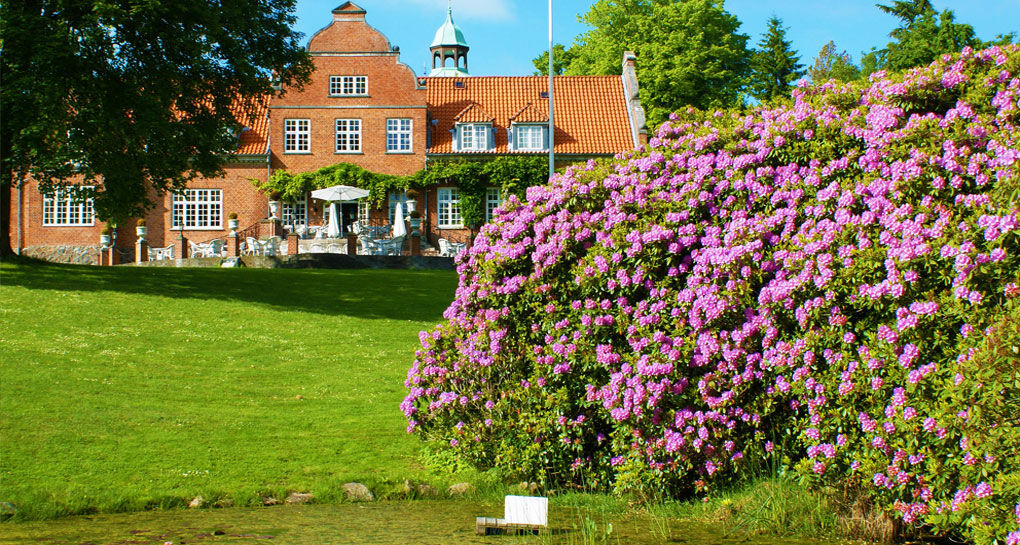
x=348, y=135
x=493, y=199
x=348, y=85
x=448, y=208
x=198, y=209
x=295, y=213
x=68, y=206
x=297, y=135
x=475, y=136
x=398, y=135
x=363, y=211
x=529, y=138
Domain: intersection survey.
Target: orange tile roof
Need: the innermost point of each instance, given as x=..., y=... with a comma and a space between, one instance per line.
x=591, y=112
x=255, y=134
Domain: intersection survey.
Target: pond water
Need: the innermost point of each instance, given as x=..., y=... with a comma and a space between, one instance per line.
x=389, y=522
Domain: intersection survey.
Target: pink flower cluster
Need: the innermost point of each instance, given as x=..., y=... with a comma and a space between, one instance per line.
x=815, y=267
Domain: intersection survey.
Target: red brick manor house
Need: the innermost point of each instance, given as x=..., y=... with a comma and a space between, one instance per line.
x=361, y=106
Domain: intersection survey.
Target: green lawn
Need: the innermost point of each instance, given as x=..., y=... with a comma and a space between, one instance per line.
x=126, y=388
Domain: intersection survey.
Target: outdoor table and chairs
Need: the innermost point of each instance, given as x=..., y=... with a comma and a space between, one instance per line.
x=256, y=247
x=213, y=248
x=450, y=249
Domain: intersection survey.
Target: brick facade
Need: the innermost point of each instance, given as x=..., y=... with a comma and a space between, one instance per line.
x=350, y=47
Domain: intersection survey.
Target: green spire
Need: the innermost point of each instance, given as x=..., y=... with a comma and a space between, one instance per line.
x=449, y=33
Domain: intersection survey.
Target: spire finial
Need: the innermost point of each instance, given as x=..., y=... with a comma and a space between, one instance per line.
x=449, y=7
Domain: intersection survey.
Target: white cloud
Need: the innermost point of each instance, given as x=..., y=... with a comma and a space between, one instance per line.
x=488, y=10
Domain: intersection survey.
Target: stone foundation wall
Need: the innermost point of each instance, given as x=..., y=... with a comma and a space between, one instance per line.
x=77, y=254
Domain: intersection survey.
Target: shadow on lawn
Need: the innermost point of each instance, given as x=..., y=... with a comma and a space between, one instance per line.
x=389, y=294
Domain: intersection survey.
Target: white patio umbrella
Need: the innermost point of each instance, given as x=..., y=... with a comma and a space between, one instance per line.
x=340, y=193
x=333, y=229
x=399, y=229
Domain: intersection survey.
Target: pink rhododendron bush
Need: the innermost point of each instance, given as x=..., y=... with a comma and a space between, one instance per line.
x=818, y=277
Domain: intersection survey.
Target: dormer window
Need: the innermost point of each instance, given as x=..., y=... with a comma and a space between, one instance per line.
x=345, y=86
x=530, y=137
x=475, y=136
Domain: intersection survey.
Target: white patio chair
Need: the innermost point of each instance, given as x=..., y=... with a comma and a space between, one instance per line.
x=252, y=247
x=444, y=248
x=216, y=248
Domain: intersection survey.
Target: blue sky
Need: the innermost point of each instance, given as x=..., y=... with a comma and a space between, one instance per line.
x=504, y=35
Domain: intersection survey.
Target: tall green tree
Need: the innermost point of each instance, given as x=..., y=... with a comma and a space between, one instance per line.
x=562, y=57
x=833, y=64
x=775, y=65
x=689, y=52
x=132, y=95
x=923, y=35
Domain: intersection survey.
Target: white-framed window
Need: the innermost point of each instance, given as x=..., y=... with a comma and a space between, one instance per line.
x=295, y=213
x=395, y=198
x=67, y=206
x=448, y=208
x=398, y=135
x=348, y=85
x=297, y=135
x=348, y=135
x=493, y=199
x=529, y=137
x=475, y=136
x=363, y=211
x=198, y=209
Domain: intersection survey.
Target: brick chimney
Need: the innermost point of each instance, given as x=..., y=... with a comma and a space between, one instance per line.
x=635, y=112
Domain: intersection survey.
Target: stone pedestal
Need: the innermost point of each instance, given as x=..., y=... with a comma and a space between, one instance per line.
x=293, y=242
x=233, y=245
x=141, y=250
x=352, y=244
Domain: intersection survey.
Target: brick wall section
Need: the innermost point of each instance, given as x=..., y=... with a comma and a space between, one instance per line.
x=350, y=47
x=238, y=194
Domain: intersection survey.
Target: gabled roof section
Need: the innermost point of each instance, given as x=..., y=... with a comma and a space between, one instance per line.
x=530, y=114
x=591, y=111
x=473, y=113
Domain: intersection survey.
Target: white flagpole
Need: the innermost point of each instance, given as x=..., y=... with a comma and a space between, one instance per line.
x=552, y=167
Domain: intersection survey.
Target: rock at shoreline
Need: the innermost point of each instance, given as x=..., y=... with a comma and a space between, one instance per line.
x=300, y=497
x=419, y=490
x=358, y=492
x=461, y=489
x=196, y=503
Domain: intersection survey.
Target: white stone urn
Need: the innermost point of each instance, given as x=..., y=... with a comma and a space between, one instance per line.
x=141, y=231
x=274, y=209
x=232, y=223
x=104, y=239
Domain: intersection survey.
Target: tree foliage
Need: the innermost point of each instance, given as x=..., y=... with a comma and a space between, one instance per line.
x=689, y=51
x=775, y=65
x=830, y=64
x=923, y=35
x=136, y=95
x=562, y=57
